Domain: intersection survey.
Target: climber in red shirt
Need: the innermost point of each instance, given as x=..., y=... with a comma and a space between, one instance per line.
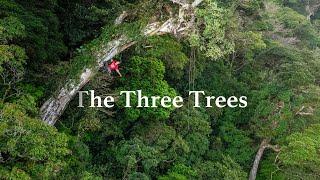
x=114, y=66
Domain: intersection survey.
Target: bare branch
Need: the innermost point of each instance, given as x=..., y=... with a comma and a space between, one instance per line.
x=120, y=18
x=275, y=148
x=196, y=3
x=264, y=144
x=107, y=112
x=180, y=2
x=309, y=111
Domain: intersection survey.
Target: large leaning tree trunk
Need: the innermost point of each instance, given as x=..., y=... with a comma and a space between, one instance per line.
x=263, y=146
x=180, y=23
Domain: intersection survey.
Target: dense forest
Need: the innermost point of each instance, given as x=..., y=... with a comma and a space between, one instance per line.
x=267, y=50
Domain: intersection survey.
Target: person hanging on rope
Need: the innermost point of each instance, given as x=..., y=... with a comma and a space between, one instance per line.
x=114, y=66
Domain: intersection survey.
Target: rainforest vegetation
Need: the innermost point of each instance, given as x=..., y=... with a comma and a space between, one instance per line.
x=266, y=50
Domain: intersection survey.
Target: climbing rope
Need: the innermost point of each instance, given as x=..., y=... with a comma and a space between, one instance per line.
x=192, y=75
x=192, y=69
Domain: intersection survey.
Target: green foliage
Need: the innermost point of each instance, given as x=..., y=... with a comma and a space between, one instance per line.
x=212, y=38
x=249, y=43
x=240, y=149
x=279, y=77
x=28, y=146
x=278, y=100
x=42, y=40
x=228, y=169
x=12, y=57
x=179, y=172
x=195, y=129
x=224, y=169
x=31, y=149
x=300, y=157
x=11, y=28
x=86, y=55
x=170, y=52
x=265, y=50
x=145, y=74
x=154, y=146
x=134, y=152
x=291, y=19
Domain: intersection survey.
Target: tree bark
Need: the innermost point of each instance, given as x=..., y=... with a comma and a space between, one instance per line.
x=311, y=9
x=53, y=108
x=1, y=158
x=264, y=144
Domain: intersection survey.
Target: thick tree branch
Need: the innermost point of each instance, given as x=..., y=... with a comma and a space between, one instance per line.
x=53, y=108
x=196, y=3
x=120, y=18
x=308, y=112
x=264, y=144
x=180, y=2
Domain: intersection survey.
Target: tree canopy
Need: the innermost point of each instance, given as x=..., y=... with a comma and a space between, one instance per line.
x=268, y=51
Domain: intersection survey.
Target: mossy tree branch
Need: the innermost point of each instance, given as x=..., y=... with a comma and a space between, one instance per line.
x=53, y=108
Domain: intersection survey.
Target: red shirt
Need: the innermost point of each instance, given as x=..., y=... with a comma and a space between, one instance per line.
x=113, y=65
